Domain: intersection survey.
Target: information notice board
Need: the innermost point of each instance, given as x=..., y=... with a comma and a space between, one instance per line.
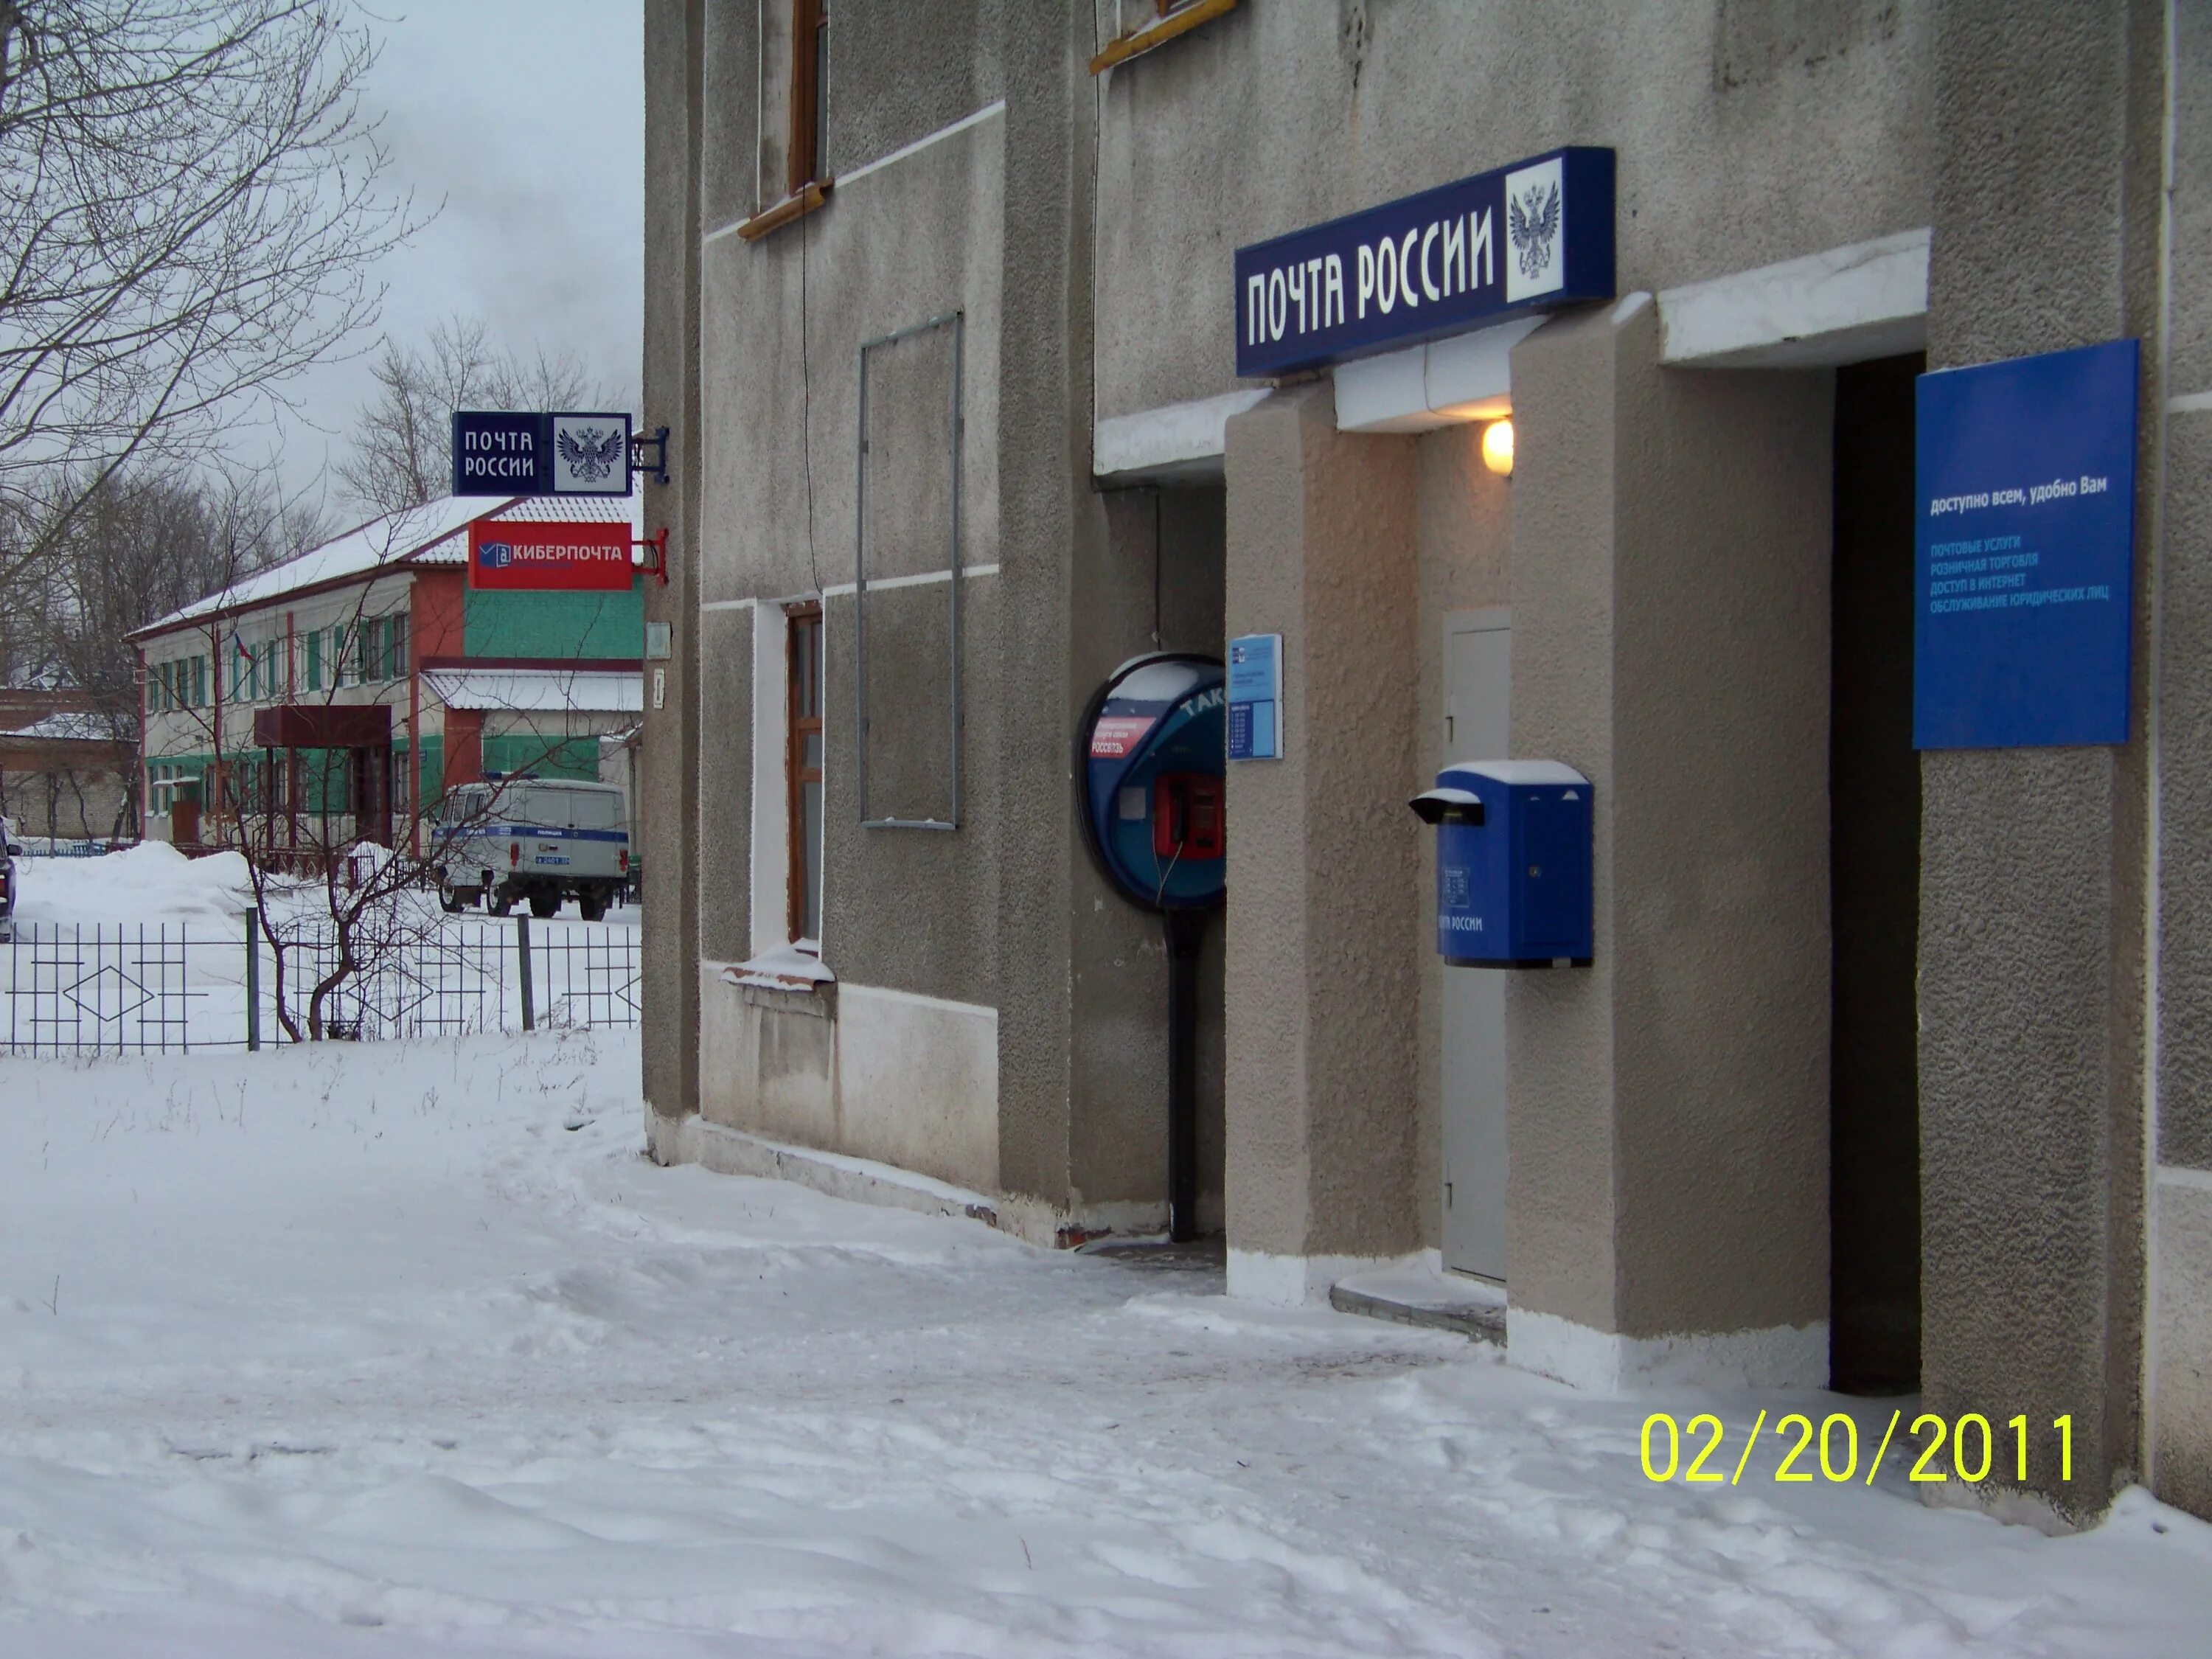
x=2023, y=551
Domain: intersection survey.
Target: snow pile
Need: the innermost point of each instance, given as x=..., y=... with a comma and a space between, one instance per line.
x=151, y=882
x=300, y=1345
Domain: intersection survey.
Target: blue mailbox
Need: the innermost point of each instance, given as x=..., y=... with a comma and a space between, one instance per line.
x=1152, y=750
x=1513, y=864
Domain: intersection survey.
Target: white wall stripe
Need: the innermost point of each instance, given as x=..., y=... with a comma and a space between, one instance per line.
x=846, y=181
x=996, y=107
x=845, y=589
x=728, y=605
x=2190, y=403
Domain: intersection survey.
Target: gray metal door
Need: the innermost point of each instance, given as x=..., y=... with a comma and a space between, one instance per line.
x=1478, y=680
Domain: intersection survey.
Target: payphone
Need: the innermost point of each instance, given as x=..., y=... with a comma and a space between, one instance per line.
x=1150, y=753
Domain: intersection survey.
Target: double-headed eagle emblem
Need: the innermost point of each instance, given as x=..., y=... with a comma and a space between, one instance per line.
x=588, y=455
x=1533, y=222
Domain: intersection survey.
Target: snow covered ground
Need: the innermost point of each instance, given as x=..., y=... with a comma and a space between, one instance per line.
x=403, y=1350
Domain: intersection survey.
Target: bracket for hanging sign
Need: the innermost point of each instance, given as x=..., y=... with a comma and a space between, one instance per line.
x=658, y=470
x=658, y=568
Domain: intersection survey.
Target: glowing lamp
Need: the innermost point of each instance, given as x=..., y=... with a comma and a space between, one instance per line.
x=1498, y=447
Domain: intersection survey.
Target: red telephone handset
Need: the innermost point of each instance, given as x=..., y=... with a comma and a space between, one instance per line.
x=1187, y=816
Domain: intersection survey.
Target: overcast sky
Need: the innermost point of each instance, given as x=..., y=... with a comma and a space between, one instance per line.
x=525, y=117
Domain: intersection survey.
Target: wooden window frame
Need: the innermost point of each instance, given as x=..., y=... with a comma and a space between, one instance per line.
x=1172, y=19
x=804, y=162
x=806, y=138
x=797, y=727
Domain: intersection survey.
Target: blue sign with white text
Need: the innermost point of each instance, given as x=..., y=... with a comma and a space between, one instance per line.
x=2023, y=551
x=501, y=452
x=1255, y=698
x=1531, y=237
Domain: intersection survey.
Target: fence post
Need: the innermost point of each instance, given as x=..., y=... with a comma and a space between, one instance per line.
x=252, y=988
x=522, y=950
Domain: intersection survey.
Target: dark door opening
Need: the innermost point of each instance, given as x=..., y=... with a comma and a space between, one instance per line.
x=1874, y=807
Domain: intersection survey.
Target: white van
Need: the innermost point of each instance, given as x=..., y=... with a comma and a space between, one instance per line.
x=540, y=840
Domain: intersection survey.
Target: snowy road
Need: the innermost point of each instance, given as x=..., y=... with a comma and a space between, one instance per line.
x=403, y=1350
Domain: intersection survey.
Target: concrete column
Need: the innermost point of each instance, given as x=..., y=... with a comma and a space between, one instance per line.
x=2179, y=1345
x=2033, y=861
x=669, y=770
x=1323, y=927
x=1668, y=1105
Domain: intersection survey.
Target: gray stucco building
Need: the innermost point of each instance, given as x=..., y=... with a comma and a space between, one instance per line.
x=1889, y=1067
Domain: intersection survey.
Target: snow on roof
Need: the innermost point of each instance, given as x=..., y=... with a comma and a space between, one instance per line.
x=65, y=727
x=436, y=533
x=558, y=509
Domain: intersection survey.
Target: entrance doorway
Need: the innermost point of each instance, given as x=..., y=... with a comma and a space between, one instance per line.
x=1874, y=806
x=1478, y=681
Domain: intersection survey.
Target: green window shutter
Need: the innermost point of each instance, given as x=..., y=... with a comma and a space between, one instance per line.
x=315, y=660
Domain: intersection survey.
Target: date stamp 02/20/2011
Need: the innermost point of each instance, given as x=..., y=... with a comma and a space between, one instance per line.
x=1968, y=1448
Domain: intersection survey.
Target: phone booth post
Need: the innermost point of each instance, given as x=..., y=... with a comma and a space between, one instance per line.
x=1150, y=752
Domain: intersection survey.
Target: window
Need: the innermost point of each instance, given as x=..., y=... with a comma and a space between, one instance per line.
x=395, y=647
x=364, y=651
x=792, y=140
x=810, y=106
x=199, y=682
x=272, y=679
x=802, y=768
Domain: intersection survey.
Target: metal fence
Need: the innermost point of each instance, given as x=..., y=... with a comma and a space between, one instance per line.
x=82, y=989
x=50, y=847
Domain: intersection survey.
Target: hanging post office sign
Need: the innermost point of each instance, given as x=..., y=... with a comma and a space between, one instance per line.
x=530, y=452
x=1531, y=237
x=2025, y=550
x=551, y=556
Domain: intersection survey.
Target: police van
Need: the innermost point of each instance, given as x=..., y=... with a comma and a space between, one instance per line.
x=538, y=840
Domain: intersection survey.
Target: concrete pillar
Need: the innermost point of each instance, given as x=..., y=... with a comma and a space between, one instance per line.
x=2179, y=1458
x=1323, y=926
x=2033, y=861
x=1668, y=1105
x=669, y=769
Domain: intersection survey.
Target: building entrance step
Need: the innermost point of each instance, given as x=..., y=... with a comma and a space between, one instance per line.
x=1421, y=1292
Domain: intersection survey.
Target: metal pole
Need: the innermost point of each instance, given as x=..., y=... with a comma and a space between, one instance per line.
x=252, y=988
x=522, y=951
x=1186, y=929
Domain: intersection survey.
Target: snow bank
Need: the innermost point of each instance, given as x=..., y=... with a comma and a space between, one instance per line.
x=150, y=883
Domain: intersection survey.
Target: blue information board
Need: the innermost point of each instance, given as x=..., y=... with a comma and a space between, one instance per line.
x=2023, y=551
x=1255, y=698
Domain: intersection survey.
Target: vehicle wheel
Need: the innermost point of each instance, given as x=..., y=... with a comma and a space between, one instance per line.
x=450, y=897
x=498, y=900
x=592, y=906
x=543, y=905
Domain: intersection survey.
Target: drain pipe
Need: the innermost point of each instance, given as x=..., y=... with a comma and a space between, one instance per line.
x=1186, y=933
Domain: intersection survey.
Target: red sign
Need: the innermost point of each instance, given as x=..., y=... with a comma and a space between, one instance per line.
x=577, y=557
x=1117, y=734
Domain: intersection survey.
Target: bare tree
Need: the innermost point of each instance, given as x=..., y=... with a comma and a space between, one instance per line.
x=402, y=441
x=190, y=206
x=347, y=865
x=132, y=548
